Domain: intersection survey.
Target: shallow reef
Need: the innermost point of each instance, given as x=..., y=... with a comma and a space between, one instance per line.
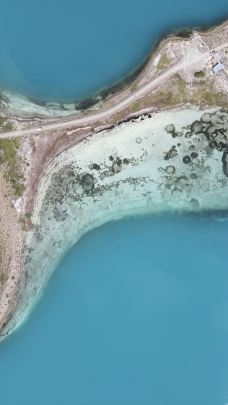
x=173, y=161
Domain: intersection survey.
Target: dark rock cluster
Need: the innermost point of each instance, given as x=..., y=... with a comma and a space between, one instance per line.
x=87, y=182
x=202, y=137
x=170, y=129
x=225, y=162
x=186, y=159
x=94, y=166
x=172, y=152
x=116, y=167
x=212, y=126
x=196, y=127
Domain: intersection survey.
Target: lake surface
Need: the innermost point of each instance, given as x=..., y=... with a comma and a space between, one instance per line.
x=136, y=313
x=68, y=49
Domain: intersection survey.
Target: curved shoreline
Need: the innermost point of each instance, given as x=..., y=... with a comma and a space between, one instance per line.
x=129, y=179
x=51, y=109
x=27, y=106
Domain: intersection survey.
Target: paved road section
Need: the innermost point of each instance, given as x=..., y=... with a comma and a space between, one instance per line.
x=70, y=122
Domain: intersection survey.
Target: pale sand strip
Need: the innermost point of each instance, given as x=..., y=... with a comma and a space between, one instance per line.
x=11, y=242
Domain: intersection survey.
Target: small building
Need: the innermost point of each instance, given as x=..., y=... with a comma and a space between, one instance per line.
x=217, y=67
x=217, y=56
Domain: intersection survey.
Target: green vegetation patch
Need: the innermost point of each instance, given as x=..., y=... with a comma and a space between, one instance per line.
x=8, y=150
x=13, y=165
x=199, y=75
x=201, y=93
x=164, y=61
x=209, y=97
x=5, y=126
x=178, y=92
x=135, y=107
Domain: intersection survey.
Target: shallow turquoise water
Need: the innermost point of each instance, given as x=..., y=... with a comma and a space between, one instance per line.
x=136, y=313
x=69, y=49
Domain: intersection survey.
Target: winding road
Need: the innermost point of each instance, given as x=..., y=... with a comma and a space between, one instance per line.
x=69, y=122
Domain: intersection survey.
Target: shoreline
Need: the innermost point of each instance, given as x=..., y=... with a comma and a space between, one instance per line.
x=15, y=323
x=22, y=104
x=27, y=106
x=80, y=177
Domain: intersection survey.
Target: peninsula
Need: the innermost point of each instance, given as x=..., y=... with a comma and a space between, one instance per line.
x=156, y=142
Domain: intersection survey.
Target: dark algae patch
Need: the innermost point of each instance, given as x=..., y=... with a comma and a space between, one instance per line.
x=87, y=182
x=186, y=159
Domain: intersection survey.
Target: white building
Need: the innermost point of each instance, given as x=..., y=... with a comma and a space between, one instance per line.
x=217, y=67
x=217, y=56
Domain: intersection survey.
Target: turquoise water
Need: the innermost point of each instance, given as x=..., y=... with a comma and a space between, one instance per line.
x=69, y=49
x=136, y=313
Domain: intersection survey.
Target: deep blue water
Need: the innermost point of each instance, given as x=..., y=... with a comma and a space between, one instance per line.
x=70, y=49
x=136, y=313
